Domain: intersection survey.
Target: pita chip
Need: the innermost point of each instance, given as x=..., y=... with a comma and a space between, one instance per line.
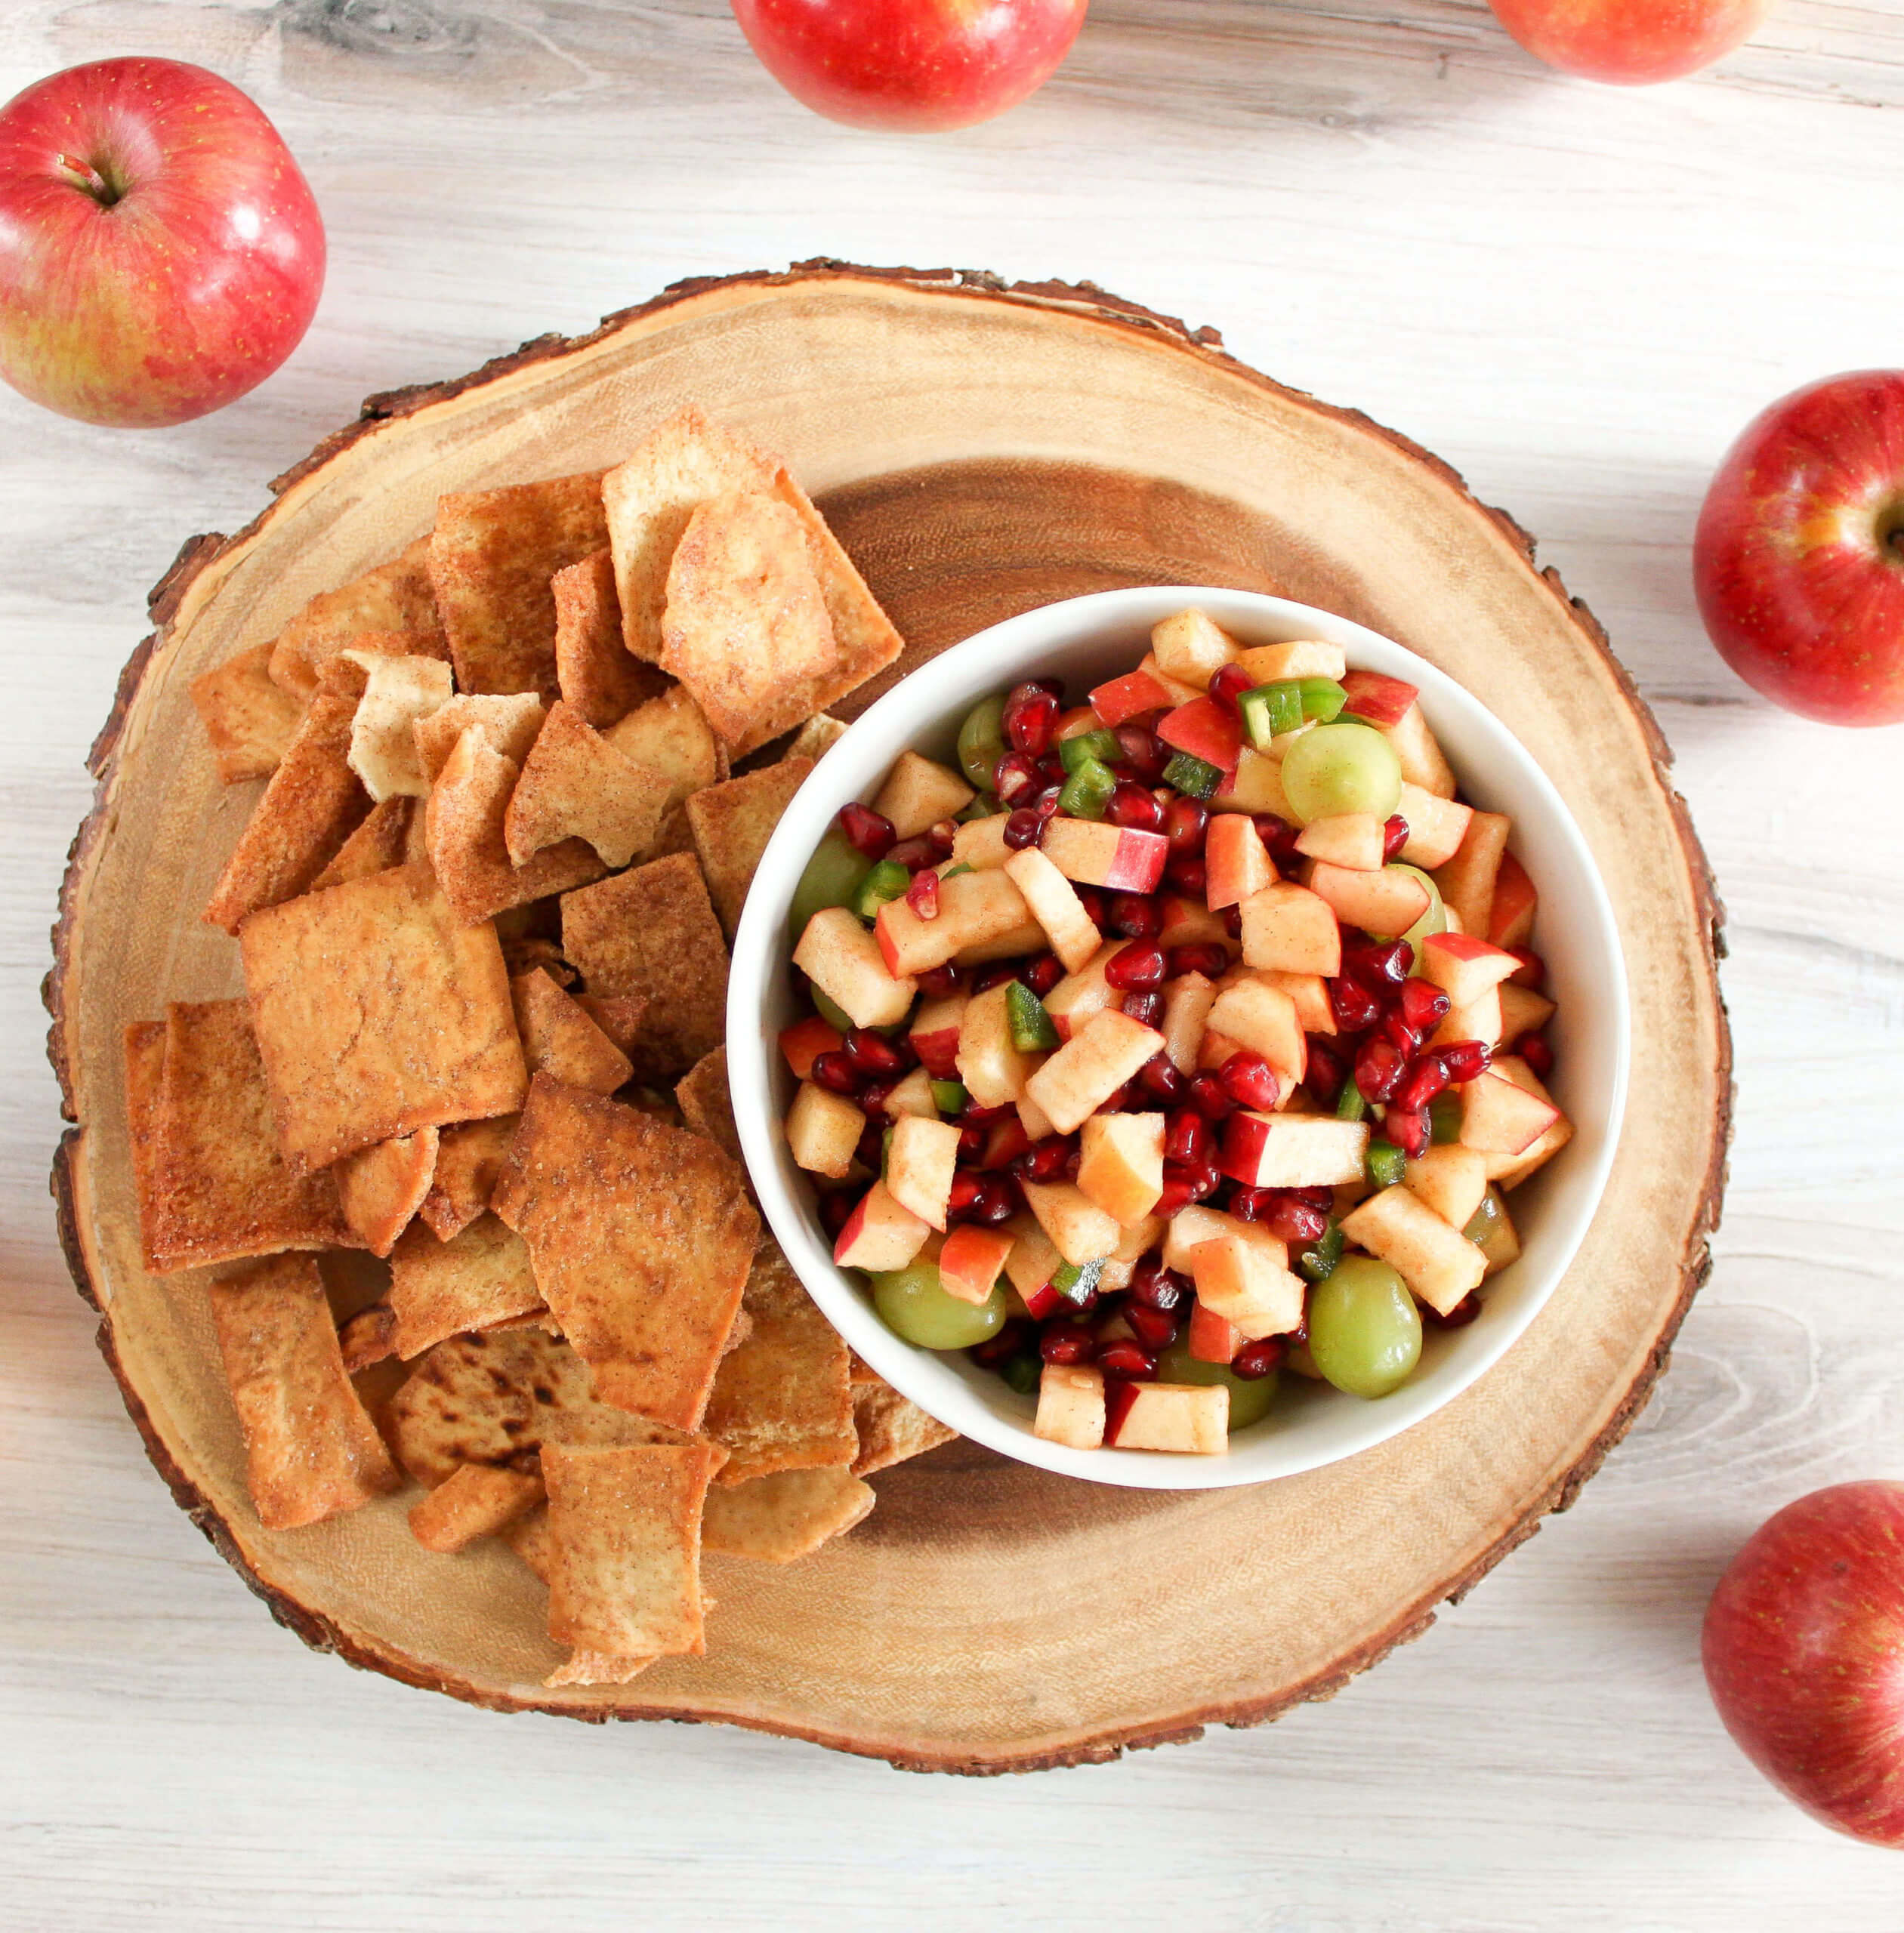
x=621, y=1018
x=559, y=1039
x=575, y=784
x=311, y=1451
x=492, y=556
x=625, y=1531
x=641, y=1237
x=383, y=840
x=368, y=1338
x=731, y=824
x=395, y=597
x=480, y=1276
x=649, y=500
x=818, y=735
x=892, y=1427
x=707, y=1105
x=377, y=1013
x=145, y=1081
x=597, y=673
x=596, y=1668
x=669, y=736
x=528, y=1536
x=382, y=1187
x=780, y=1519
x=463, y=826
x=469, y=1158
x=397, y=692
x=651, y=934
x=509, y=723
x=864, y=637
x=249, y=720
x=476, y=1501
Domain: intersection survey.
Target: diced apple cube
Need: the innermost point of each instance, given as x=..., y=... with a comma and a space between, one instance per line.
x=919, y=792
x=1215, y=1049
x=934, y=1034
x=971, y=1262
x=1499, y=1117
x=1206, y=730
x=1479, y=1021
x=980, y=843
x=1507, y=1172
x=1036, y=1123
x=1091, y=1067
x=1522, y=1011
x=1439, y=1264
x=1301, y=657
x=1436, y=827
x=1191, y=922
x=1079, y=997
x=881, y=1233
x=1122, y=1165
x=919, y=1165
x=1121, y=858
x=1452, y=1180
x=913, y=1096
x=1017, y=942
x=993, y=1068
x=1191, y=647
x=1187, y=1001
x=1033, y=1260
x=804, y=1043
x=1192, y=1226
x=1293, y=1151
x=1383, y=701
x=1511, y=918
x=1419, y=755
x=1079, y=1230
x=1286, y=926
x=1385, y=904
x=1255, y=786
x=1263, y=1019
x=1308, y=991
x=1071, y=1406
x=1466, y=881
x=973, y=908
x=1464, y=967
x=1133, y=1245
x=823, y=1130
x=1147, y=689
x=844, y=960
x=1242, y=1285
x=1236, y=862
x=1210, y=1338
x=1350, y=839
x=1188, y=1418
x=1055, y=906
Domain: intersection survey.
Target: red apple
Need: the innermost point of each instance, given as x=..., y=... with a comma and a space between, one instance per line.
x=1205, y=730
x=160, y=254
x=1804, y=1648
x=1381, y=700
x=914, y=66
x=1629, y=42
x=1799, y=559
x=1121, y=859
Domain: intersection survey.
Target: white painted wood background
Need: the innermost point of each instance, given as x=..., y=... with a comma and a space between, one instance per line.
x=1576, y=295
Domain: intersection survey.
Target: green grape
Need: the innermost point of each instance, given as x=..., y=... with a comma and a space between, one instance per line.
x=1250, y=1401
x=1434, y=920
x=835, y=1016
x=832, y=878
x=1365, y=1331
x=982, y=742
x=1386, y=1164
x=1341, y=769
x=912, y=1304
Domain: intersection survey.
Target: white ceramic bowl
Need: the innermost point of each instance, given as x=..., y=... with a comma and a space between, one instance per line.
x=1084, y=641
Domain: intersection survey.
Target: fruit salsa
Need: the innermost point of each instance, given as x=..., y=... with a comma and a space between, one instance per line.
x=1176, y=1039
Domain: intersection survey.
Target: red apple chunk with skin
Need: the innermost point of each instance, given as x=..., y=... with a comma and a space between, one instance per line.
x=973, y=908
x=1122, y=858
x=972, y=1260
x=880, y=1234
x=1249, y=1287
x=1189, y=1420
x=843, y=960
x=1236, y=861
x=1294, y=1150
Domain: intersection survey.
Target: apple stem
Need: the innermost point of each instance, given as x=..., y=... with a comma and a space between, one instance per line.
x=82, y=174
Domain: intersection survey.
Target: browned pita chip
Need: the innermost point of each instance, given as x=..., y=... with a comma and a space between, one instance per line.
x=781, y=1401
x=528, y=1536
x=530, y=953
x=479, y=1278
x=476, y=1501
x=707, y=1105
x=863, y=1375
x=560, y=1040
x=311, y=1451
x=145, y=1086
x=622, y=1019
x=818, y=735
x=509, y=723
x=381, y=1188
x=641, y=1238
x=382, y=841
x=668, y=735
x=377, y=1014
x=313, y=804
x=779, y=1518
x=624, y=1527
x=732, y=823
x=397, y=692
x=395, y=597
x=463, y=825
x=368, y=1337
x=249, y=720
x=597, y=1668
x=219, y=1189
x=492, y=556
x=576, y=785
x=892, y=1427
x=469, y=1157
x=649, y=500
x=594, y=668
x=651, y=933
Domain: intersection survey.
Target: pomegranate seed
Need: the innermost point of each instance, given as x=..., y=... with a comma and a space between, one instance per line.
x=1187, y=874
x=1135, y=915
x=1046, y=803
x=1127, y=1360
x=971, y=1142
x=1326, y=1072
x=1031, y=720
x=1405, y=1039
x=1424, y=1004
x=1394, y=837
x=1379, y=965
x=1146, y=1008
x=944, y=834
x=1185, y=824
x=873, y=1055
x=936, y=983
x=1179, y=1185
x=966, y=1188
x=1144, y=752
x=913, y=855
x=1063, y=1341
x=1425, y=1079
x=868, y=832
x=1532, y=971
x=996, y=1203
x=1206, y=1178
x=1250, y=1081
x=1152, y=1286
x=1207, y=958
x=1378, y=1070
x=994, y=975
x=986, y=1117
x=872, y=1149
x=1130, y=805
x=1408, y=1131
x=1023, y=828
x=1092, y=900
x=1292, y=1220
x=835, y=1211
x=1210, y=1097
x=873, y=1099
x=1187, y=1139
x=1533, y=1048
x=1052, y=766
x=1317, y=1197
x=1354, y=1007
x=1278, y=835
x=836, y=1072
x=1465, y=1060
x=1228, y=684
x=922, y=895
x=1151, y=1327
x=1232, y=921
x=1118, y=1099
x=1459, y=1317
x=1255, y=1361
x=1136, y=967
x=1160, y=1079
x=1000, y=1348
x=1042, y=974
x=1019, y=779
x=1042, y=1160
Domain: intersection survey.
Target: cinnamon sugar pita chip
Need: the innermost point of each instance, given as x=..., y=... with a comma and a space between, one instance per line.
x=480, y=1276
x=469, y=1157
x=528, y=1536
x=381, y=1188
x=530, y=953
x=818, y=736
x=892, y=1427
x=777, y=1519
x=463, y=826
x=383, y=840
x=597, y=673
x=707, y=1105
x=509, y=721
x=669, y=736
x=395, y=597
x=249, y=720
x=397, y=692
x=476, y=1501
x=575, y=784
x=732, y=823
x=145, y=1081
x=649, y=500
x=368, y=1338
x=621, y=1017
x=625, y=1528
x=377, y=1013
x=597, y=1668
x=641, y=1238
x=558, y=1038
x=311, y=1451
x=492, y=555
x=651, y=933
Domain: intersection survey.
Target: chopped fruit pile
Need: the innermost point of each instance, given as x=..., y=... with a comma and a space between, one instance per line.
x=1173, y=1040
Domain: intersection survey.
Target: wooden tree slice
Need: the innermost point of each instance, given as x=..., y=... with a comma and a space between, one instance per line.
x=981, y=450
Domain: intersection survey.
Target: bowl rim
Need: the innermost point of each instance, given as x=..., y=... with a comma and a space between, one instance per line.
x=1008, y=650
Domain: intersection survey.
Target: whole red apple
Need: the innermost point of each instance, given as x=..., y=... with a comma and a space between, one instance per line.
x=1805, y=1652
x=1799, y=558
x=917, y=66
x=160, y=254
x=1630, y=42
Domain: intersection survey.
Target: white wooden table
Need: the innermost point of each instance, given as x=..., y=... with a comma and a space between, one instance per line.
x=1576, y=295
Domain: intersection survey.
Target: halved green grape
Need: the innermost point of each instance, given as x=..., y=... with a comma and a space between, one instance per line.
x=1250, y=1401
x=912, y=1304
x=1434, y=920
x=1485, y=1218
x=835, y=1016
x=1365, y=1331
x=982, y=742
x=832, y=878
x=1341, y=769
